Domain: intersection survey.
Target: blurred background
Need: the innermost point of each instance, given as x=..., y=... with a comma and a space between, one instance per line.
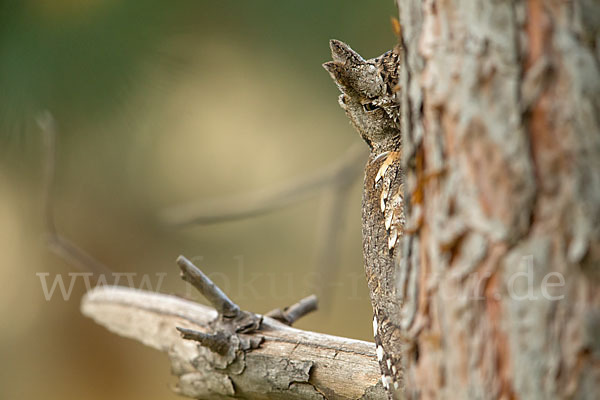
x=157, y=104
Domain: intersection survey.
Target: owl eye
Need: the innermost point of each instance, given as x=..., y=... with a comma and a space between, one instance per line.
x=370, y=107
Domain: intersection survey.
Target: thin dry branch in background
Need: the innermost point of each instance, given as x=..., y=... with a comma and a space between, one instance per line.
x=330, y=226
x=58, y=244
x=340, y=173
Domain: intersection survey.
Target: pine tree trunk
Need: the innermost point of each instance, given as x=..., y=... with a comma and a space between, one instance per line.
x=500, y=276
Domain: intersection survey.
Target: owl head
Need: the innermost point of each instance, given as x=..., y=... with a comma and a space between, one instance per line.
x=368, y=93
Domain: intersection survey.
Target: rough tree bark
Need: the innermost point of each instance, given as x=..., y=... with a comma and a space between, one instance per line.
x=501, y=146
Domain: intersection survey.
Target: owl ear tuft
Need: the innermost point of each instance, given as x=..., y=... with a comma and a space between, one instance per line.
x=334, y=69
x=352, y=74
x=338, y=73
x=342, y=53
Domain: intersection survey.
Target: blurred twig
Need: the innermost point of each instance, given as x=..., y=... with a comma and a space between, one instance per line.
x=58, y=244
x=338, y=174
x=327, y=243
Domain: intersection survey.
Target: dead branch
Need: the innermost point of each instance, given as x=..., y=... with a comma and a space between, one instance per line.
x=58, y=244
x=291, y=314
x=289, y=364
x=190, y=273
x=330, y=226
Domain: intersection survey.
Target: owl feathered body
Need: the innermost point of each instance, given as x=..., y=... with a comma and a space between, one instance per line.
x=370, y=99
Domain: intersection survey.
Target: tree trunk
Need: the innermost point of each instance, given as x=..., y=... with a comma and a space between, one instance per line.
x=501, y=146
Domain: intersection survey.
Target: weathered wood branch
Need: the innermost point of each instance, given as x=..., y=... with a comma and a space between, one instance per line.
x=289, y=364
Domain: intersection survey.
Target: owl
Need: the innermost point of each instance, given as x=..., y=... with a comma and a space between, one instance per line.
x=370, y=99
